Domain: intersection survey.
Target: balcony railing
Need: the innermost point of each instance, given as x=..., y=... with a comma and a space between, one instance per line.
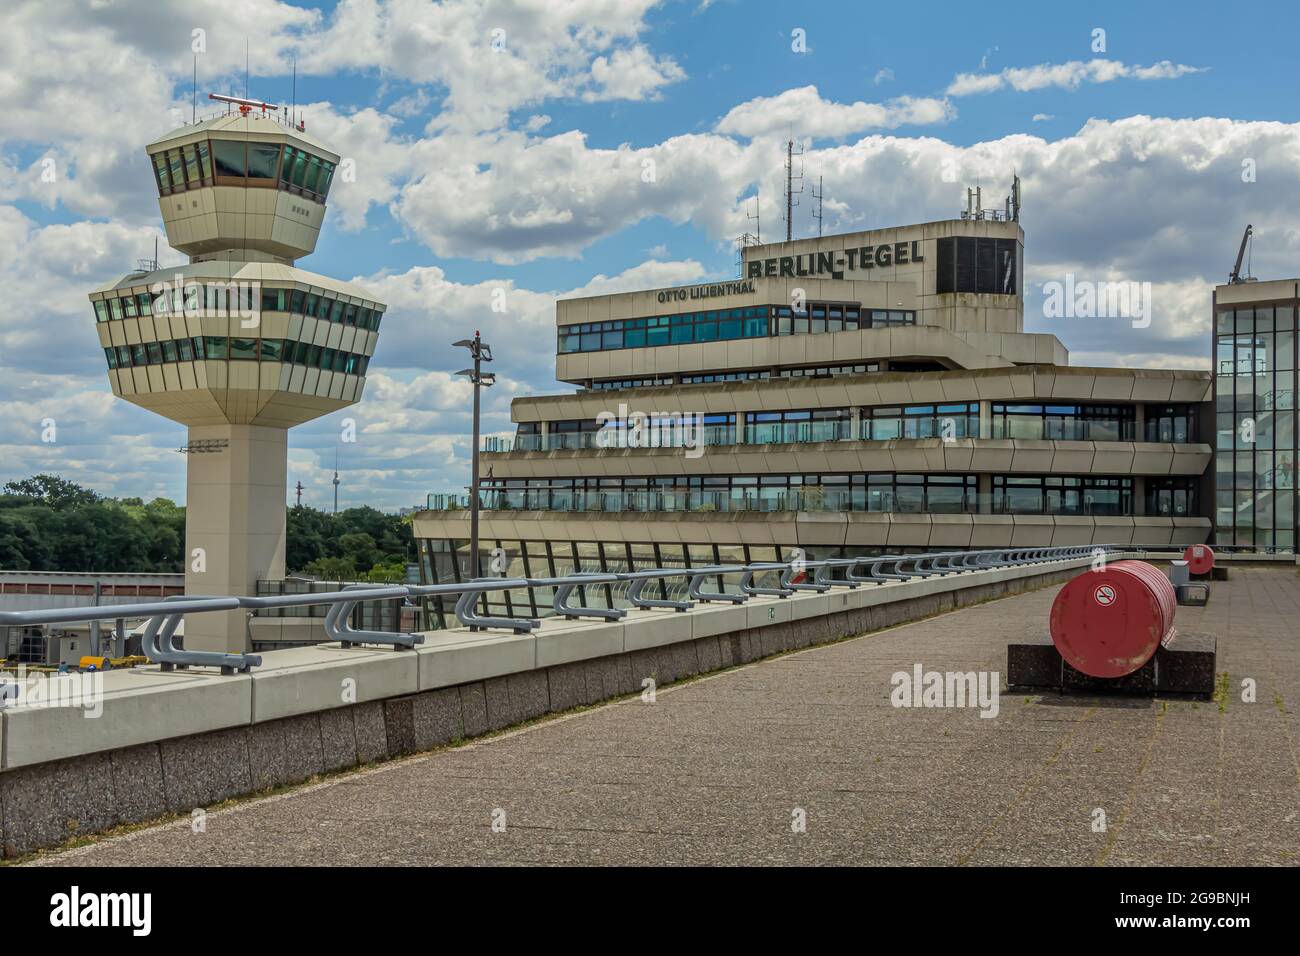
x=810, y=498
x=957, y=427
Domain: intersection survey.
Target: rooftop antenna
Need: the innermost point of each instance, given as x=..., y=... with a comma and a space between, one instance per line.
x=294, y=119
x=750, y=239
x=817, y=194
x=194, y=92
x=245, y=67
x=790, y=193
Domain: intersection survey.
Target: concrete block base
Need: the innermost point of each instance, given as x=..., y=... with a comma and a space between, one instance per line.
x=1185, y=668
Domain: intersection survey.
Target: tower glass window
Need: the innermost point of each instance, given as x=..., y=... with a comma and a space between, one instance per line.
x=263, y=160
x=231, y=158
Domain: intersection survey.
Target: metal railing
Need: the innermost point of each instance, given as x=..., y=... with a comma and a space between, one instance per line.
x=544, y=495
x=795, y=576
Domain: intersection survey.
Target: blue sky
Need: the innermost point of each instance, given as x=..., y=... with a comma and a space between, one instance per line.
x=480, y=170
x=733, y=51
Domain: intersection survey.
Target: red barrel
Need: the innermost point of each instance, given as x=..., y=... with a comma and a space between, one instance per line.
x=1200, y=558
x=1109, y=622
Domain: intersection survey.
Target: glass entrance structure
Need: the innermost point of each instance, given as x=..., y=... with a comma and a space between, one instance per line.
x=1255, y=418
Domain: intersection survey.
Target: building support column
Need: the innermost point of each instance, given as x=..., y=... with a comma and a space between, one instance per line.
x=234, y=525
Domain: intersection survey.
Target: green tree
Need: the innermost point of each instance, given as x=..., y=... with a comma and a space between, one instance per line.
x=51, y=490
x=332, y=569
x=359, y=547
x=48, y=523
x=394, y=573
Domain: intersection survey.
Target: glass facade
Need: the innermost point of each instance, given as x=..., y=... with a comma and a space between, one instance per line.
x=749, y=375
x=1080, y=495
x=915, y=494
x=1062, y=495
x=233, y=162
x=920, y=421
x=1064, y=422
x=1255, y=424
x=1174, y=424
x=214, y=347
x=978, y=265
x=231, y=298
x=720, y=325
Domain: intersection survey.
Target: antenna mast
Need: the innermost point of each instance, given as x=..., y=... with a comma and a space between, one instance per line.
x=194, y=93
x=790, y=193
x=818, y=193
x=750, y=239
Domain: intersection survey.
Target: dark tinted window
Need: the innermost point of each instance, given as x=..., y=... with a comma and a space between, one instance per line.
x=263, y=160
x=229, y=157
x=977, y=265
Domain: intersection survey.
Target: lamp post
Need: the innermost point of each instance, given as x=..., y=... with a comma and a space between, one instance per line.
x=481, y=352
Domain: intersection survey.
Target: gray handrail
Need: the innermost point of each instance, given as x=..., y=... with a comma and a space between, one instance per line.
x=163, y=617
x=339, y=629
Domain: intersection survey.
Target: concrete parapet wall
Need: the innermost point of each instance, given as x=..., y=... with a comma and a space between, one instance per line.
x=167, y=743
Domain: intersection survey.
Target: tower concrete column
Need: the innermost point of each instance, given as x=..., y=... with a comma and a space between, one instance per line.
x=235, y=525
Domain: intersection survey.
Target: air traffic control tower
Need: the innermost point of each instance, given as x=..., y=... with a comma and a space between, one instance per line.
x=239, y=344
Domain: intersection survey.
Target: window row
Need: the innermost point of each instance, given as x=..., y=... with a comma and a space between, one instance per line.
x=201, y=348
x=649, y=382
x=1169, y=423
x=717, y=325
x=237, y=299
x=1062, y=495
x=1257, y=319
x=708, y=378
x=1081, y=495
x=233, y=162
x=879, y=492
x=1246, y=355
x=1064, y=422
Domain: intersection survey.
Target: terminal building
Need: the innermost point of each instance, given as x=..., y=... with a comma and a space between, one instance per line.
x=851, y=394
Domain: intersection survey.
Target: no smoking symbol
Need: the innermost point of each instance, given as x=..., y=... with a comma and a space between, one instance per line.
x=1105, y=595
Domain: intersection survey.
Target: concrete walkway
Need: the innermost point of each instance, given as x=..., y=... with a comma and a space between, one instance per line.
x=714, y=771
